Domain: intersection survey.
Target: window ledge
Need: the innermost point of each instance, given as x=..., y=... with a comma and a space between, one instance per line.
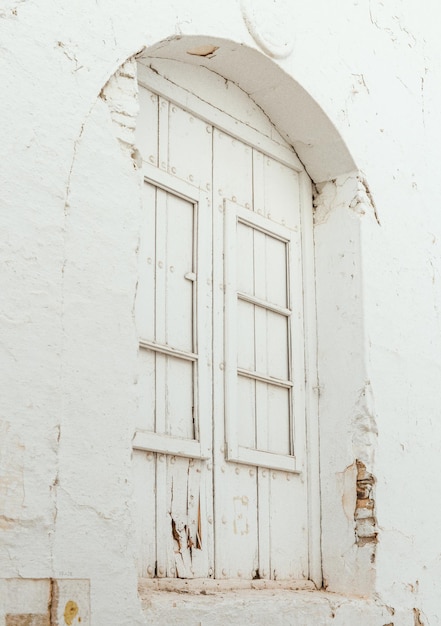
x=210, y=585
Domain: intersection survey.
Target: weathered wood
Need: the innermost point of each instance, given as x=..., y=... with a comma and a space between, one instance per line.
x=225, y=333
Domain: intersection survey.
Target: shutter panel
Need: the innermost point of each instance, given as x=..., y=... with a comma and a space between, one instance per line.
x=258, y=329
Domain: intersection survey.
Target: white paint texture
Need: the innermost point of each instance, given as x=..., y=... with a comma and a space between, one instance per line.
x=70, y=213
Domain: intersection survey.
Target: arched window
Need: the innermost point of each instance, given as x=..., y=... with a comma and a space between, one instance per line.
x=221, y=441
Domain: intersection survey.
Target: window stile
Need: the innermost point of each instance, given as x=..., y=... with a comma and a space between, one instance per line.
x=160, y=308
x=230, y=331
x=203, y=340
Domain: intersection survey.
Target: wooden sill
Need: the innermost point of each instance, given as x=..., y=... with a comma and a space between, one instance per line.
x=208, y=585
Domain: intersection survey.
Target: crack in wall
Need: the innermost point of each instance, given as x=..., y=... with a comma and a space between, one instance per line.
x=385, y=22
x=417, y=618
x=57, y=446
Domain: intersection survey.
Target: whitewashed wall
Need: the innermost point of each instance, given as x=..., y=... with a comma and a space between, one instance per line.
x=69, y=234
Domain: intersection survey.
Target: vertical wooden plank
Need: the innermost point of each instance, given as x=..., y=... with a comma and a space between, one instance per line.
x=145, y=298
x=236, y=532
x=190, y=233
x=203, y=414
x=264, y=521
x=178, y=539
x=288, y=527
x=297, y=351
x=272, y=357
x=147, y=126
x=246, y=409
x=261, y=339
x=246, y=351
x=276, y=271
x=278, y=419
x=179, y=399
x=187, y=526
x=144, y=500
x=145, y=308
x=163, y=137
x=162, y=548
x=145, y=311
x=239, y=558
x=258, y=182
x=189, y=147
x=260, y=271
x=200, y=518
x=311, y=460
x=230, y=329
x=146, y=390
x=161, y=525
x=178, y=263
x=262, y=416
x=221, y=533
x=235, y=160
x=275, y=338
x=281, y=193
x=160, y=318
x=161, y=256
x=261, y=343
x=245, y=260
x=287, y=494
x=189, y=158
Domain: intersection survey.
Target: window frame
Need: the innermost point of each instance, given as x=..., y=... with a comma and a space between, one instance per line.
x=240, y=129
x=235, y=452
x=200, y=446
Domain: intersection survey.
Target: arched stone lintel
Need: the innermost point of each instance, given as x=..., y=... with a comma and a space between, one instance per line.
x=295, y=114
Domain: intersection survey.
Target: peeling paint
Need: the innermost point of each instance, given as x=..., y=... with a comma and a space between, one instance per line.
x=121, y=96
x=185, y=518
x=364, y=514
x=364, y=425
x=203, y=51
x=349, y=497
x=349, y=191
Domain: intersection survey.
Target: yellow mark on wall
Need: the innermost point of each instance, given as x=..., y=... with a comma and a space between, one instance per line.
x=70, y=612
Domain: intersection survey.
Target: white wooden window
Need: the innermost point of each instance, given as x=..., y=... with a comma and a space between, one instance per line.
x=220, y=455
x=258, y=312
x=170, y=321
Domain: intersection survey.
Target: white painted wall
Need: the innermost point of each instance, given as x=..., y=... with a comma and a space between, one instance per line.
x=69, y=235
